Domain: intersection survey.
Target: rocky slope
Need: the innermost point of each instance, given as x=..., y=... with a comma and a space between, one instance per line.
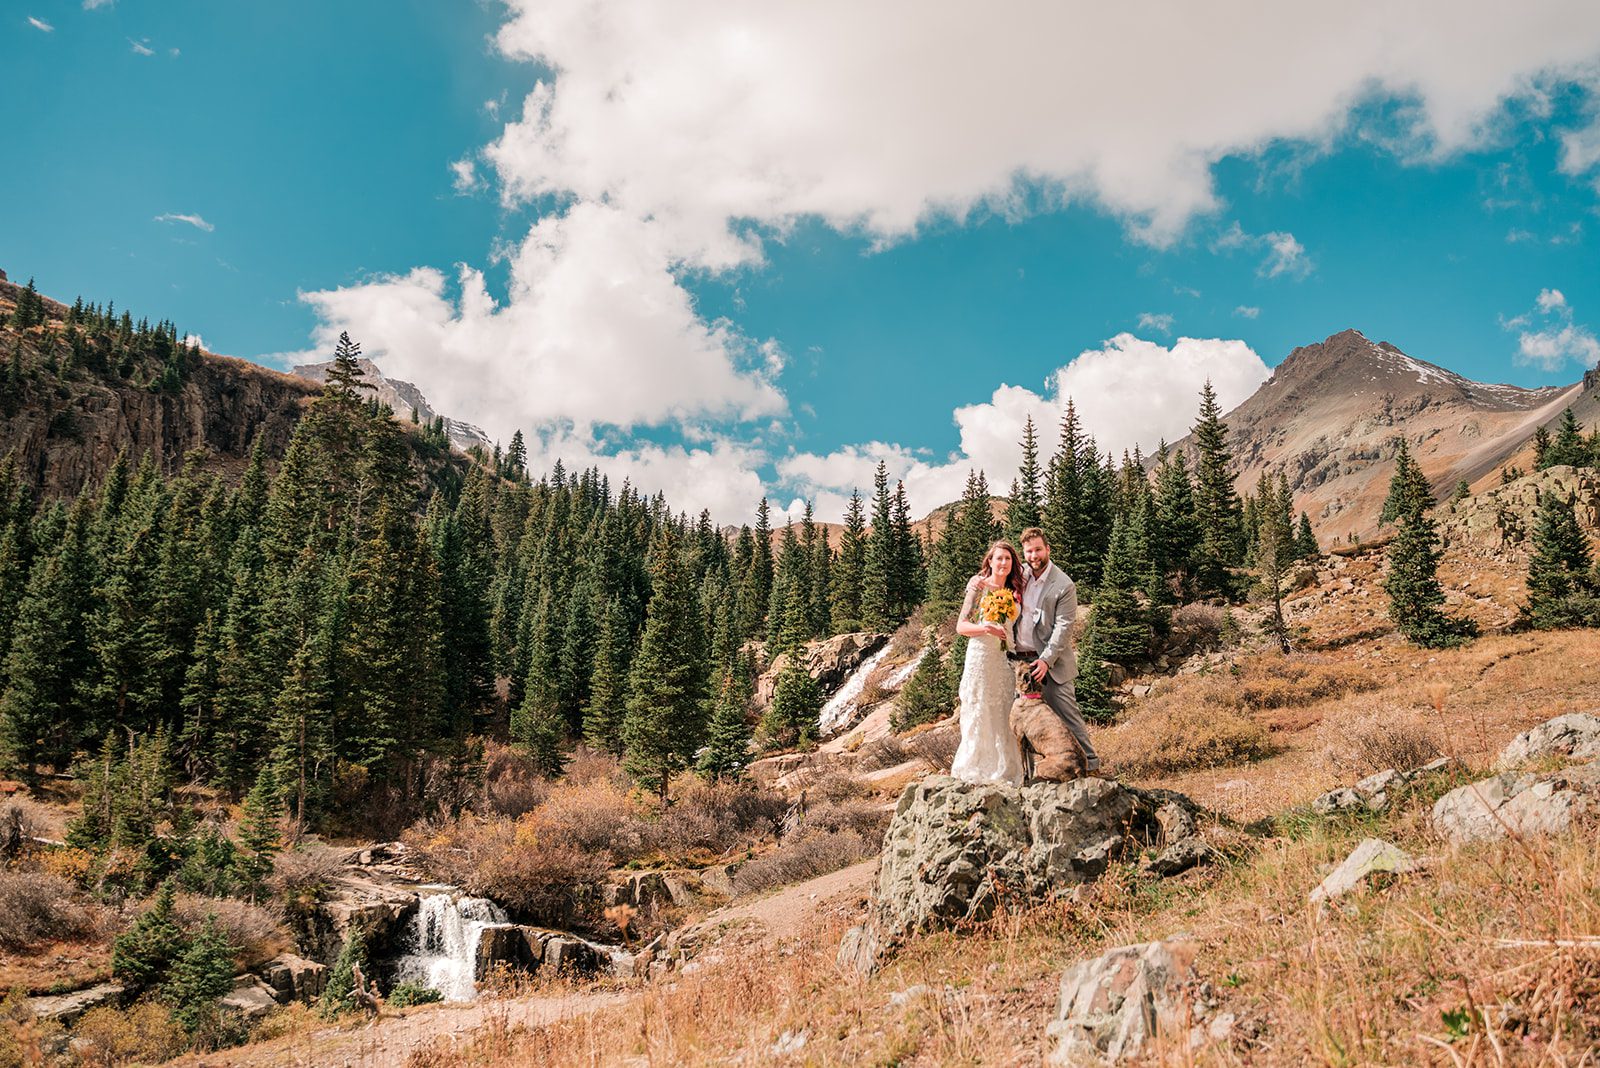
x=1332, y=412
x=403, y=398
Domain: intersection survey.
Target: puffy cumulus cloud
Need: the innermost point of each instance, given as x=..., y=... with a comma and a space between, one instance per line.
x=1547, y=336
x=850, y=112
x=1128, y=392
x=597, y=333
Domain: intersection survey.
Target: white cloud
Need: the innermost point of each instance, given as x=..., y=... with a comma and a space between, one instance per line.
x=1160, y=321
x=40, y=24
x=1283, y=253
x=194, y=339
x=687, y=158
x=464, y=177
x=597, y=332
x=1129, y=392
x=1247, y=311
x=91, y=5
x=193, y=220
x=1516, y=235
x=142, y=48
x=1557, y=341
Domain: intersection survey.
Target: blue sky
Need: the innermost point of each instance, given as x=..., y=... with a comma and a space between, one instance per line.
x=728, y=258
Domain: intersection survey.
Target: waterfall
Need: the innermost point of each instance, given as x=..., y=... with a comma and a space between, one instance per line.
x=443, y=943
x=836, y=713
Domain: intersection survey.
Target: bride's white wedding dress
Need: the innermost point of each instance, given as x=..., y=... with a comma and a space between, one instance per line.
x=989, y=751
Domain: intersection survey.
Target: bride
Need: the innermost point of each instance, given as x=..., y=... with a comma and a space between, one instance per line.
x=989, y=751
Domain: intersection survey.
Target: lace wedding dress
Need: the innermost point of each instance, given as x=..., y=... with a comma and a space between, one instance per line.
x=989, y=751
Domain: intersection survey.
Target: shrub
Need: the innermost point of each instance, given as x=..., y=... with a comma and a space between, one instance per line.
x=1195, y=627
x=256, y=932
x=880, y=753
x=39, y=907
x=1183, y=737
x=300, y=877
x=1356, y=745
x=408, y=994
x=144, y=1033
x=552, y=882
x=511, y=783
x=936, y=748
x=22, y=821
x=804, y=856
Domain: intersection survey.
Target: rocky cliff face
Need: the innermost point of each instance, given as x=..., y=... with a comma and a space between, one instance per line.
x=1500, y=521
x=403, y=398
x=65, y=429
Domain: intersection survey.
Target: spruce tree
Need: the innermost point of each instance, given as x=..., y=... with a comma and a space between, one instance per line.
x=1562, y=586
x=1217, y=509
x=608, y=695
x=927, y=694
x=338, y=996
x=849, y=569
x=1568, y=446
x=143, y=955
x=908, y=561
x=792, y=718
x=727, y=751
x=1093, y=683
x=1409, y=492
x=1026, y=505
x=200, y=976
x=260, y=831
x=1122, y=626
x=1175, y=515
x=1062, y=511
x=664, y=720
x=879, y=559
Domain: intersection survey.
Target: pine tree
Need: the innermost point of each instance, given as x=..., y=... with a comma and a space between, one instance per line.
x=849, y=569
x=1412, y=582
x=727, y=751
x=879, y=559
x=927, y=694
x=260, y=831
x=1568, y=446
x=143, y=955
x=1562, y=586
x=1179, y=545
x=1274, y=553
x=1541, y=448
x=608, y=695
x=664, y=721
x=200, y=976
x=1122, y=625
x=1305, y=540
x=908, y=562
x=755, y=589
x=1063, y=508
x=1026, y=506
x=1462, y=492
x=1093, y=684
x=338, y=996
x=792, y=718
x=1409, y=492
x=1217, y=508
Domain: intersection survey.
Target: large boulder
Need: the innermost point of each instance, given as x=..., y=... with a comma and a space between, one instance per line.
x=1575, y=736
x=250, y=998
x=1521, y=805
x=67, y=1008
x=955, y=850
x=1111, y=1007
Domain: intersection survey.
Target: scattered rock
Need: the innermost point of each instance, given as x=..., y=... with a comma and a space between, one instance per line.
x=67, y=1008
x=1372, y=857
x=790, y=1042
x=1376, y=792
x=294, y=978
x=1180, y=856
x=1113, y=1005
x=250, y=998
x=1510, y=803
x=1575, y=736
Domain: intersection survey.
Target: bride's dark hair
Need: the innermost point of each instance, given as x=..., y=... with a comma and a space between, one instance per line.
x=1014, y=579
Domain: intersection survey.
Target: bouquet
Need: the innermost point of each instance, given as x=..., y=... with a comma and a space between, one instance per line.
x=998, y=606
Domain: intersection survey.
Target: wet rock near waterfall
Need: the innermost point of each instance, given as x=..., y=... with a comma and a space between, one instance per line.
x=955, y=851
x=829, y=661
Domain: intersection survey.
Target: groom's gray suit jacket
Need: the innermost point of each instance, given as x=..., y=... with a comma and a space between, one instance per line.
x=1050, y=629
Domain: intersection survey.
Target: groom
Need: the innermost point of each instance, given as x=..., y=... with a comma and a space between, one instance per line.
x=1044, y=637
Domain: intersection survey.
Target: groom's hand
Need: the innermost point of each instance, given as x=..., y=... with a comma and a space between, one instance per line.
x=1037, y=669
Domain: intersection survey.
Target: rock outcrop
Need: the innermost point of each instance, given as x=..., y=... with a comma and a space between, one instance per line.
x=830, y=662
x=1377, y=792
x=67, y=1008
x=1513, y=804
x=1502, y=518
x=955, y=850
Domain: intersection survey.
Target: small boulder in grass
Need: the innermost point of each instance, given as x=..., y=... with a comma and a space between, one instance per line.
x=1575, y=736
x=1371, y=858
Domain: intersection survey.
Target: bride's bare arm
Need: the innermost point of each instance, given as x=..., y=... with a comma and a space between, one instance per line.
x=970, y=629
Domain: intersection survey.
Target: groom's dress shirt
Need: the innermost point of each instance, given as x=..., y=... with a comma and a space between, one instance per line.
x=1030, y=609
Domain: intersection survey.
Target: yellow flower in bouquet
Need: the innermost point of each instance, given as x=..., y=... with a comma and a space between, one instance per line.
x=998, y=606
